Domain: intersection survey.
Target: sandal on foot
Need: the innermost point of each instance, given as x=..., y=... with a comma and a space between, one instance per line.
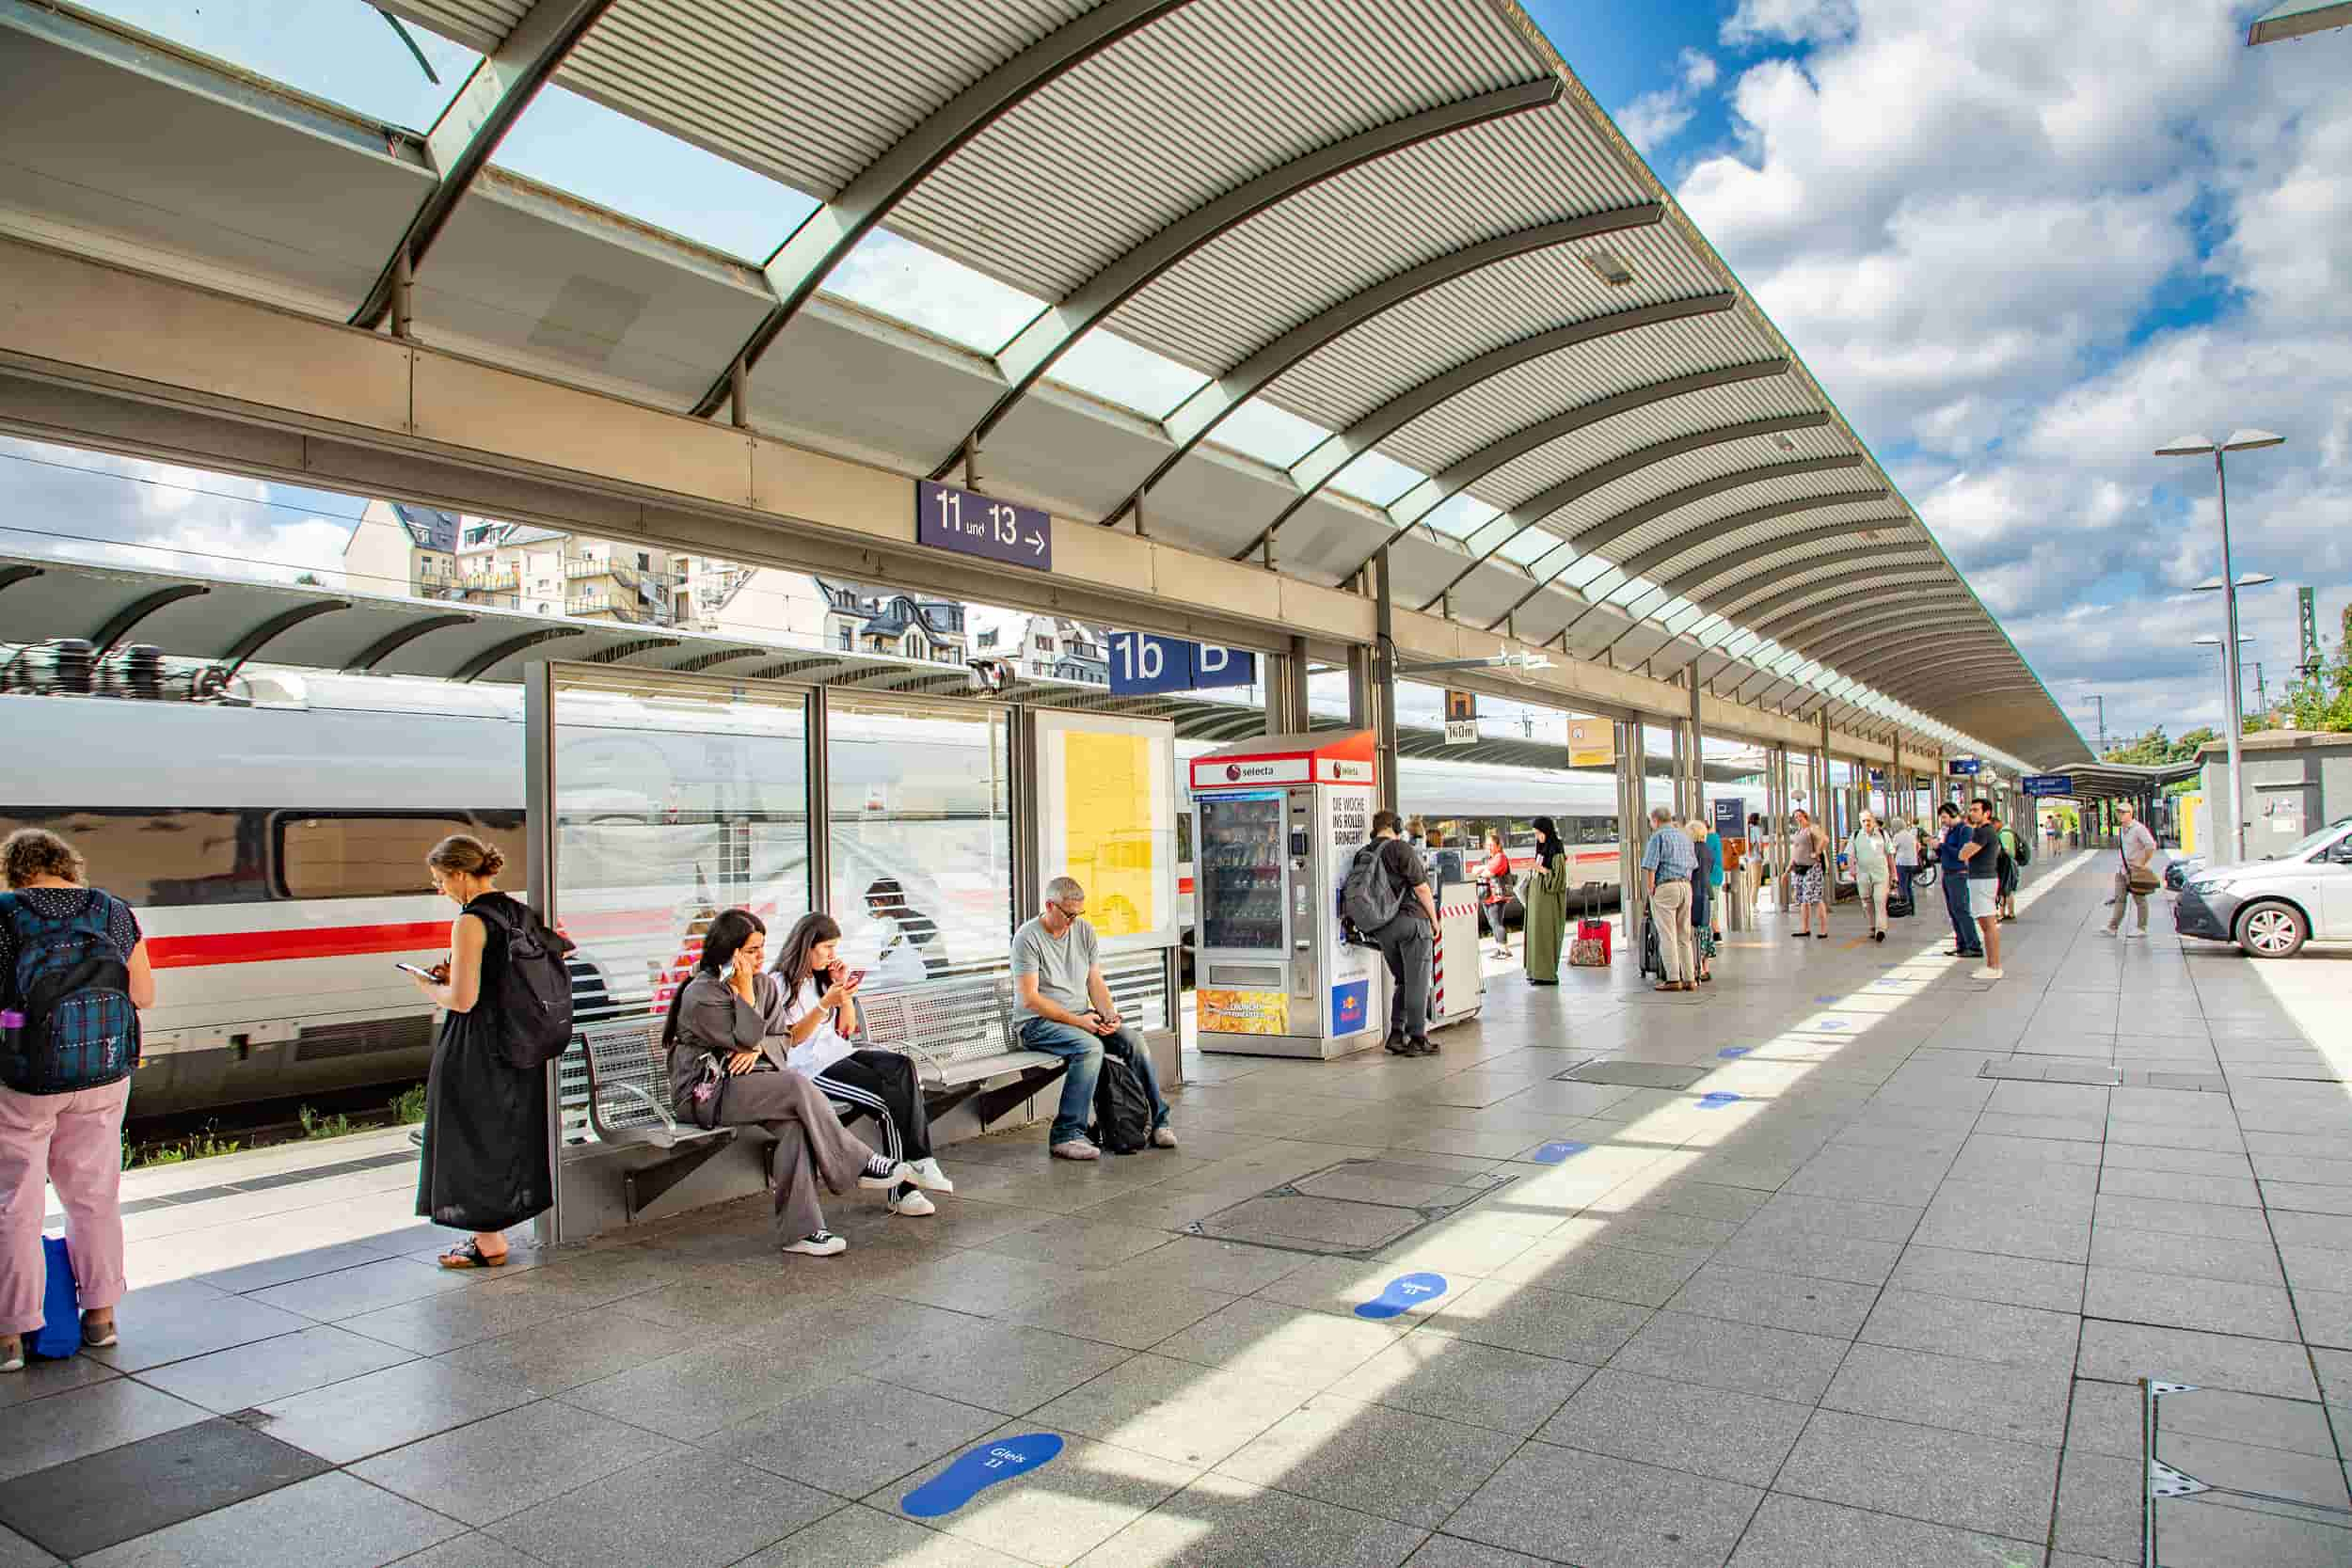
x=470, y=1255
x=100, y=1336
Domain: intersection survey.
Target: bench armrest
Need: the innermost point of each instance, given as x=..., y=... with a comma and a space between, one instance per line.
x=663, y=1111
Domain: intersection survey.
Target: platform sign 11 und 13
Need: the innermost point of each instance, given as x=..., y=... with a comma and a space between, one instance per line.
x=969, y=523
x=1143, y=665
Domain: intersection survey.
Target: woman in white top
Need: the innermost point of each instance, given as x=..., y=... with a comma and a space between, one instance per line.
x=1871, y=857
x=906, y=940
x=1807, y=876
x=810, y=1000
x=1905, y=839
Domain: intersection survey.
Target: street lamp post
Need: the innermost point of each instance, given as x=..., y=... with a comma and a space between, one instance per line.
x=2197, y=446
x=2229, y=696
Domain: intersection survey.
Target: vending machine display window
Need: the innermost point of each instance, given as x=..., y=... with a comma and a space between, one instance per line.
x=1241, y=872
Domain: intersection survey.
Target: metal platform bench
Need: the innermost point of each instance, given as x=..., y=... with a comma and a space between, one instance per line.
x=958, y=1030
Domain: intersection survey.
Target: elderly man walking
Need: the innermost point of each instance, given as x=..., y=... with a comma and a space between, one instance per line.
x=1667, y=861
x=2138, y=850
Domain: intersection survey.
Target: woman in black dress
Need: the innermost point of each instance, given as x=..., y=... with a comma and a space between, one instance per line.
x=485, y=1123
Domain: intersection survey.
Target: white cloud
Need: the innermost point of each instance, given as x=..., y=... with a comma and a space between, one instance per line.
x=1656, y=117
x=1759, y=21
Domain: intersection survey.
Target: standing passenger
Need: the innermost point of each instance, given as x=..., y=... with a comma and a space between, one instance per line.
x=1547, y=902
x=1872, y=859
x=1808, y=874
x=1981, y=857
x=1064, y=1008
x=69, y=1136
x=1905, y=839
x=1496, y=870
x=485, y=1123
x=1405, y=942
x=1716, y=873
x=1954, y=878
x=1706, y=868
x=1667, y=861
x=722, y=1075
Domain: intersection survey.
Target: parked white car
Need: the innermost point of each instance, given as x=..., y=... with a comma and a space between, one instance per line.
x=2273, y=906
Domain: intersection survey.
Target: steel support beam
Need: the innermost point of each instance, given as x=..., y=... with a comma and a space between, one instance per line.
x=1722, y=525
x=801, y=266
x=489, y=658
x=398, y=638
x=1700, y=572
x=123, y=621
x=1325, y=462
x=271, y=630
x=1539, y=507
x=1202, y=412
x=470, y=129
x=1030, y=355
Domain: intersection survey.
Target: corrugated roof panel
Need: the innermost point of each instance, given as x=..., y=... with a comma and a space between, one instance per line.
x=1690, y=467
x=1701, y=516
x=807, y=94
x=1324, y=244
x=1701, y=549
x=1557, y=461
x=480, y=26
x=1186, y=109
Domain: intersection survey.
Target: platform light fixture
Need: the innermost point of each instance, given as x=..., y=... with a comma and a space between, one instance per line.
x=2197, y=446
x=1610, y=267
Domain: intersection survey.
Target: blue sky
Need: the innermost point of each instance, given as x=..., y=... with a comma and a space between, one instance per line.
x=2020, y=245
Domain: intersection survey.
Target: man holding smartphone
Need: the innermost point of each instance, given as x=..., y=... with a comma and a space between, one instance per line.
x=1065, y=1009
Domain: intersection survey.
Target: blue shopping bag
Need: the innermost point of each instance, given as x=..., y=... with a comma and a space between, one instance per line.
x=60, y=1335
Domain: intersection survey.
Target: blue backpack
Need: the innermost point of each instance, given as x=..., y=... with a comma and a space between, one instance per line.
x=72, y=985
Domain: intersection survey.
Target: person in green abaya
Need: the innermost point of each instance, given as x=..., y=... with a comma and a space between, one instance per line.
x=1545, y=895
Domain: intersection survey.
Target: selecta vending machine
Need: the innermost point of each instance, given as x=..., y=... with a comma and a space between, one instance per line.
x=1277, y=821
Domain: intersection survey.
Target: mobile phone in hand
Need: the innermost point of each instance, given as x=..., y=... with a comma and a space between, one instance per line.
x=412, y=969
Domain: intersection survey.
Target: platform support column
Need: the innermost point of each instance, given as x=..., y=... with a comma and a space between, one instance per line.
x=1384, y=679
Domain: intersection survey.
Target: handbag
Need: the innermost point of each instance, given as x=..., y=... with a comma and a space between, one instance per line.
x=60, y=1333
x=2143, y=881
x=1589, y=949
x=706, y=1099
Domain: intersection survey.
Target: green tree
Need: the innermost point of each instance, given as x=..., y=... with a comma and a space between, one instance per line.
x=2323, y=701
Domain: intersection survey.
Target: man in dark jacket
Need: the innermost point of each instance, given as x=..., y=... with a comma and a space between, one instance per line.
x=1954, y=880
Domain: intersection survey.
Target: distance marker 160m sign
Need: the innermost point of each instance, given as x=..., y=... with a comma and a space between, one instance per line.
x=969, y=523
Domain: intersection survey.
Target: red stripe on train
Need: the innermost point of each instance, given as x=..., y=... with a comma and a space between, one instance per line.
x=321, y=942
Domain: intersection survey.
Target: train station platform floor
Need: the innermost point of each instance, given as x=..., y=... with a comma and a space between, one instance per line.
x=1846, y=1261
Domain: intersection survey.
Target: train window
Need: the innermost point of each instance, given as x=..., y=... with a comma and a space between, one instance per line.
x=362, y=855
x=158, y=858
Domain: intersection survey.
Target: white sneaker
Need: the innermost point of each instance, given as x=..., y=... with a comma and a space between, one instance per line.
x=1986, y=974
x=1076, y=1149
x=2104, y=930
x=824, y=1243
x=880, y=1174
x=2134, y=936
x=928, y=1174
x=913, y=1204
x=1163, y=1137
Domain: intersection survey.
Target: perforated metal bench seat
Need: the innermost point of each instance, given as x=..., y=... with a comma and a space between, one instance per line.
x=958, y=1031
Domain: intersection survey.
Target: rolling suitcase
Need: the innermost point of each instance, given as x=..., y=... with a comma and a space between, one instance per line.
x=1653, y=960
x=1590, y=947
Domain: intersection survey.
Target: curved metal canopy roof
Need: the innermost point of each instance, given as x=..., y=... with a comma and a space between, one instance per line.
x=1408, y=225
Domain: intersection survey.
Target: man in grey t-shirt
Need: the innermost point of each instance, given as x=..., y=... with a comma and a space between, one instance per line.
x=1063, y=1008
x=2139, y=847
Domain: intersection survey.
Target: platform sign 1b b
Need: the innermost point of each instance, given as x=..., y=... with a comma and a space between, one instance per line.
x=1142, y=665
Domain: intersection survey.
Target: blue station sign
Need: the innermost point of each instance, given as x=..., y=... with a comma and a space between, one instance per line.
x=1144, y=666
x=969, y=523
x=2046, y=783
x=1963, y=768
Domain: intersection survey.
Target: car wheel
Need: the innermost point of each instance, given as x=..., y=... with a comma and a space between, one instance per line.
x=2272, y=931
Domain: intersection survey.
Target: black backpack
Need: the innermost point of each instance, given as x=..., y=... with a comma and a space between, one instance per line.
x=1370, y=897
x=533, y=1000
x=1123, y=1113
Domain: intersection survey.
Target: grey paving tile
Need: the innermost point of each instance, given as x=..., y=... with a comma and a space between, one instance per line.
x=2194, y=1530
x=2308, y=1168
x=329, y=1521
x=1681, y=1426
x=853, y=1435
x=2035, y=1282
x=2104, y=1418
x=40, y=1379
x=2308, y=1197
x=386, y=1409
x=864, y=1535
x=264, y=1273
x=97, y=1500
x=1118, y=1311
x=2024, y=1402
x=576, y=1349
x=348, y=1292
x=1853, y=1260
x=1375, y=1459
x=1806, y=1532
x=691, y=1393
x=1452, y=1551
x=1073, y=1243
x=1293, y=1345
x=1824, y=1306
x=1971, y=1483
x=2317, y=1268
x=681, y=1509
x=2232, y=1190
x=1219, y=1520
x=1570, y=1506
x=2125, y=1353
x=1530, y=1319
x=1340, y=1285
x=86, y=1420
x=1972, y=1330
x=172, y=1322
x=2198, y=1256
x=2223, y=1307
x=2185, y=1161
x=434, y=1325
x=2099, y=1504
x=473, y=1549
x=1462, y=1380
x=267, y=1370
x=1596, y=1269
x=513, y=1460
x=2334, y=1367
x=1010, y=1368
x=2325, y=1317
x=2296, y=1228
x=2229, y=1222
x=1744, y=1357
x=16, y=1552
x=1201, y=1263
x=1061, y=1510
x=1174, y=1410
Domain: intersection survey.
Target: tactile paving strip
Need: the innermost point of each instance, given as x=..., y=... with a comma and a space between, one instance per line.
x=1353, y=1208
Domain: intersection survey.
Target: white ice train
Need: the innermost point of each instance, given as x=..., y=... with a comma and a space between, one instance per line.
x=273, y=848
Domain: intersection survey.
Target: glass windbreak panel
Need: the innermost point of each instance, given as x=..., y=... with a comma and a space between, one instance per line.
x=921, y=840
x=896, y=277
x=578, y=146
x=340, y=51
x=1104, y=365
x=1240, y=874
x=675, y=798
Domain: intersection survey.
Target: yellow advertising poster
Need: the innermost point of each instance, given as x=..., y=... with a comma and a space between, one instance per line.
x=1592, y=742
x=1244, y=1012
x=1106, y=798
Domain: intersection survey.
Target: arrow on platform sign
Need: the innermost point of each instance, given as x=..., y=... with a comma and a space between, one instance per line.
x=1037, y=543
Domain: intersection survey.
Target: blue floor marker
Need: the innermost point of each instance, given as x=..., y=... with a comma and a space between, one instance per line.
x=978, y=1469
x=1717, y=1101
x=1552, y=1153
x=1733, y=1053
x=1407, y=1290
x=1833, y=1000
x=1833, y=1025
